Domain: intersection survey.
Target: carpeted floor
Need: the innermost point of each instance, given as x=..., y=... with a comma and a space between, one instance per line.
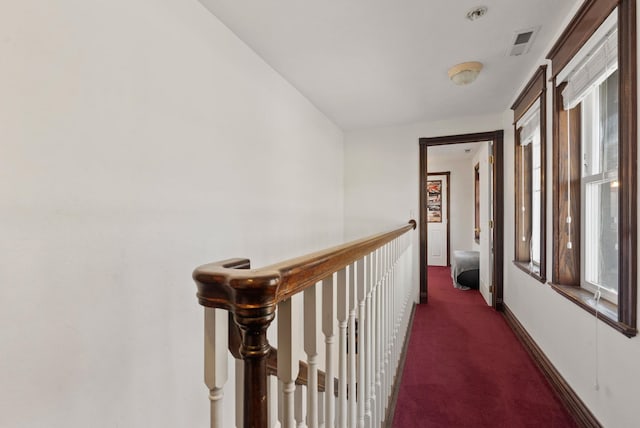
x=466, y=368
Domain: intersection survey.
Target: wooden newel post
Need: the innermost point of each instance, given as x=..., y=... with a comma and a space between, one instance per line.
x=251, y=297
x=255, y=349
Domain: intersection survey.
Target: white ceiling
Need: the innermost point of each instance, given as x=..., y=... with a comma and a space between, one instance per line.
x=371, y=63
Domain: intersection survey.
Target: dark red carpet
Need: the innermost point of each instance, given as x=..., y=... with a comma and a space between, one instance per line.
x=466, y=368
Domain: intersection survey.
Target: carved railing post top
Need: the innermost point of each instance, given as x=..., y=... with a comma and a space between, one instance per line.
x=230, y=285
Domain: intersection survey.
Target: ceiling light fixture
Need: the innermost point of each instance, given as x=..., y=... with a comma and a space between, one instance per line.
x=465, y=73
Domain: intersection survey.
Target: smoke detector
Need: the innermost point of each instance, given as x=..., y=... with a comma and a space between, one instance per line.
x=476, y=13
x=522, y=41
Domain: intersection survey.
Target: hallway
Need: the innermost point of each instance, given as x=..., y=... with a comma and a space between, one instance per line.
x=466, y=368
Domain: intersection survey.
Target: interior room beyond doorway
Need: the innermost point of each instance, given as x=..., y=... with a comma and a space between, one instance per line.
x=460, y=200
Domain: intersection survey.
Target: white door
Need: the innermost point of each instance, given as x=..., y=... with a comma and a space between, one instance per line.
x=490, y=277
x=437, y=217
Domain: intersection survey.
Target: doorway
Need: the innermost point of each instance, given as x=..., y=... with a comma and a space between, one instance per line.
x=438, y=224
x=495, y=226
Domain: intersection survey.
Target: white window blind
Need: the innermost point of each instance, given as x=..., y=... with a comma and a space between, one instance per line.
x=530, y=124
x=595, y=68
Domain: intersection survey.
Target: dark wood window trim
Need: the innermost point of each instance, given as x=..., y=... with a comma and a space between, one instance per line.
x=566, y=262
x=566, y=268
x=586, y=21
x=534, y=90
x=524, y=267
x=607, y=311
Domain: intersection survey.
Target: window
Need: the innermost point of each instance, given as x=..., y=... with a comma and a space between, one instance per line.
x=536, y=200
x=599, y=189
x=530, y=202
x=594, y=152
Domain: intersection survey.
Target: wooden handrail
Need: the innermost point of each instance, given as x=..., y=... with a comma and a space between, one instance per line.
x=252, y=295
x=225, y=285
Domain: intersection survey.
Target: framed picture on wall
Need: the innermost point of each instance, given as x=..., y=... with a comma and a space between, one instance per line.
x=434, y=201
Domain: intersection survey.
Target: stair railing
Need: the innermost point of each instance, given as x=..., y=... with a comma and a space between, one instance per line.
x=366, y=289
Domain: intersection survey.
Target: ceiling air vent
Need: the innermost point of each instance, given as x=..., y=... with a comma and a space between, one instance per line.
x=522, y=41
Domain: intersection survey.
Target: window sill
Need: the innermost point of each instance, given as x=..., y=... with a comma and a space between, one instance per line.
x=607, y=311
x=525, y=268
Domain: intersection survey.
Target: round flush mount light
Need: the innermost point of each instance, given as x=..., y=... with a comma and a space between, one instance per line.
x=465, y=73
x=477, y=12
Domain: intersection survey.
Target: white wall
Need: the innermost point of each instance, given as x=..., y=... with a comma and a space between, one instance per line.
x=139, y=139
x=382, y=173
x=565, y=332
x=460, y=199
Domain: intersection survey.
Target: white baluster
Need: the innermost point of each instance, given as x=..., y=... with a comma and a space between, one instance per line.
x=379, y=340
x=321, y=411
x=280, y=403
x=397, y=305
x=405, y=280
x=299, y=411
x=360, y=279
x=272, y=395
x=342, y=314
x=385, y=332
x=216, y=344
x=368, y=416
x=328, y=319
x=239, y=393
x=352, y=413
x=395, y=311
x=287, y=362
x=393, y=320
x=375, y=339
x=400, y=278
x=384, y=306
x=390, y=322
x=311, y=348
x=402, y=281
x=399, y=309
